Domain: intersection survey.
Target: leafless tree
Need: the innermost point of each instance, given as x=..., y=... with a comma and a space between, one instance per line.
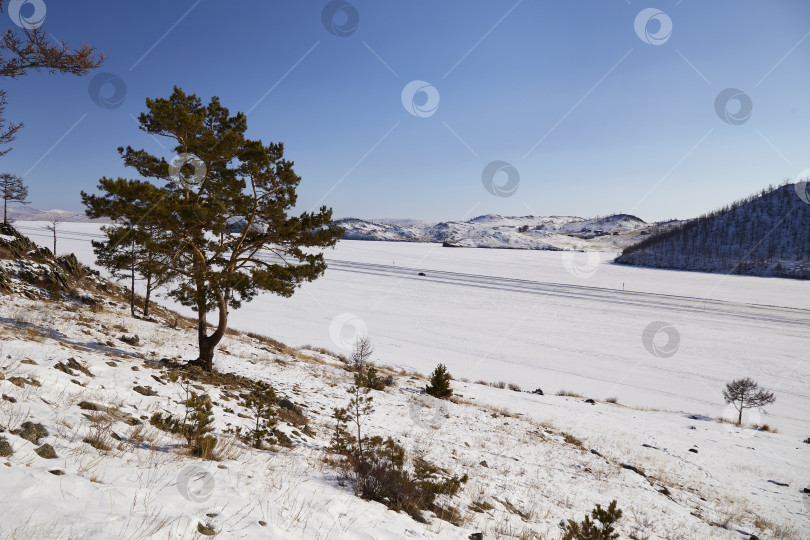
x=361, y=353
x=52, y=227
x=746, y=394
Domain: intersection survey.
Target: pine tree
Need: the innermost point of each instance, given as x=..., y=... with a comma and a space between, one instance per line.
x=25, y=49
x=746, y=394
x=439, y=386
x=218, y=215
x=261, y=402
x=12, y=189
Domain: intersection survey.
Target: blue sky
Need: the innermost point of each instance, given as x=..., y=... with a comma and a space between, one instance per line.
x=593, y=118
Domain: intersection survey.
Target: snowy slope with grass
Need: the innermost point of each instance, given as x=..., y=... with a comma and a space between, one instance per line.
x=534, y=319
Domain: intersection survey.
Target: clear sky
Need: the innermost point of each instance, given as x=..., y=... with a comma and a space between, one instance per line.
x=591, y=110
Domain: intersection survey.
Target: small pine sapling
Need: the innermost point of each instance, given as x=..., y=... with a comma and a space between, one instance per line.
x=261, y=403
x=439, y=386
x=588, y=530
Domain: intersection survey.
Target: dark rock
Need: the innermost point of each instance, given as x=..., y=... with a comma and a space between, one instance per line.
x=476, y=536
x=484, y=464
x=538, y=391
x=778, y=483
x=57, y=472
x=592, y=402
x=594, y=452
x=10, y=399
x=133, y=340
x=32, y=432
x=263, y=523
x=5, y=448
x=693, y=450
x=46, y=451
x=28, y=361
x=205, y=530
x=145, y=390
x=634, y=469
x=112, y=364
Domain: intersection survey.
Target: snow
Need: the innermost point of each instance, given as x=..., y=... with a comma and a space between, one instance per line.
x=519, y=232
x=529, y=318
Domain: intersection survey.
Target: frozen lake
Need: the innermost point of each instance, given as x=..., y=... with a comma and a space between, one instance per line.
x=547, y=319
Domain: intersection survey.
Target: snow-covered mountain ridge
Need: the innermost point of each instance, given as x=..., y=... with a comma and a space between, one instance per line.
x=517, y=232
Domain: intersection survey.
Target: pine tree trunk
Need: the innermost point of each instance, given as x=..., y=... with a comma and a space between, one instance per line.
x=148, y=292
x=132, y=290
x=5, y=211
x=208, y=343
x=739, y=418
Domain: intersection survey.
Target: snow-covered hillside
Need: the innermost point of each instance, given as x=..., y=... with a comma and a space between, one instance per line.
x=767, y=234
x=81, y=459
x=493, y=231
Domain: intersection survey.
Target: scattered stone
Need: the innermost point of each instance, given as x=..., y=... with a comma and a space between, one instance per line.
x=114, y=413
x=594, y=452
x=28, y=361
x=133, y=340
x=634, y=469
x=46, y=451
x=135, y=368
x=779, y=483
x=476, y=536
x=484, y=464
x=538, y=391
x=145, y=390
x=21, y=382
x=5, y=448
x=57, y=472
x=10, y=399
x=212, y=516
x=693, y=450
x=592, y=402
x=806, y=441
x=205, y=530
x=262, y=523
x=32, y=432
x=753, y=537
x=645, y=445
x=72, y=363
x=112, y=364
x=806, y=490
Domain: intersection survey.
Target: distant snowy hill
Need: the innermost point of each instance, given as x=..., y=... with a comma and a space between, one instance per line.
x=767, y=234
x=494, y=231
x=25, y=213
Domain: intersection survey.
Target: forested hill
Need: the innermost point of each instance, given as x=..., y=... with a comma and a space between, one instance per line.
x=767, y=234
